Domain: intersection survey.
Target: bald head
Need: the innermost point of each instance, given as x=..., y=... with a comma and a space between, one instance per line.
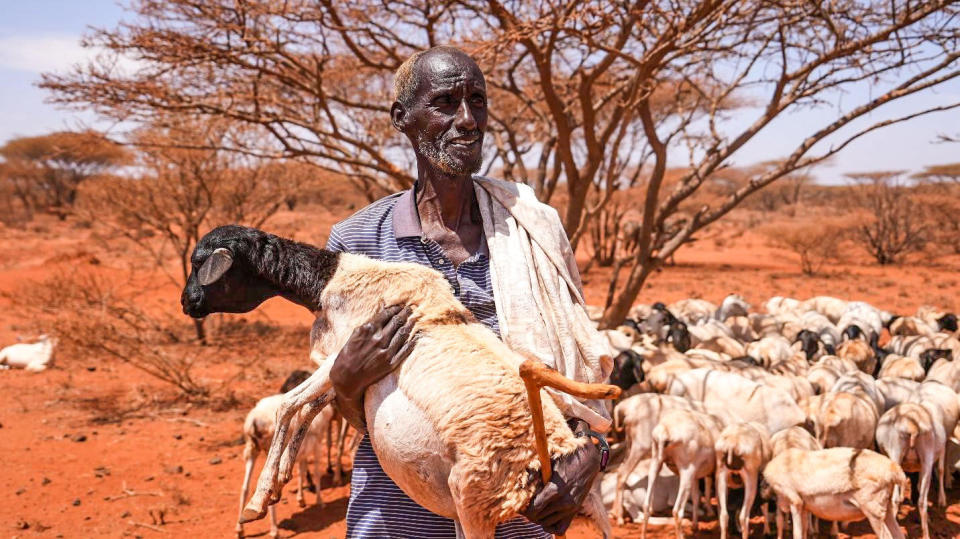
x=442, y=58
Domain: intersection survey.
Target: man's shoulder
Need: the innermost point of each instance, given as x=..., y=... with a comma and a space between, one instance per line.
x=369, y=216
x=525, y=195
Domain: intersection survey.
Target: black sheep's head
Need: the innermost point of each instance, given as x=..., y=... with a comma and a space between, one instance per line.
x=222, y=280
x=931, y=355
x=627, y=369
x=852, y=332
x=809, y=343
x=947, y=322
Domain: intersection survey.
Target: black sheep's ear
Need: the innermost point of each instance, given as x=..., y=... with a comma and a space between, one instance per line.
x=215, y=266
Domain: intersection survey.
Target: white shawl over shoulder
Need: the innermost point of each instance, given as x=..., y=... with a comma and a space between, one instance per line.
x=537, y=289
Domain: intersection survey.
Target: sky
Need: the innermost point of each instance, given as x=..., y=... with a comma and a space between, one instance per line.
x=39, y=36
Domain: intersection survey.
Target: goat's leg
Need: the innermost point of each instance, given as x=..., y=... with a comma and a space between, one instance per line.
x=722, y=498
x=338, y=465
x=316, y=388
x=926, y=472
x=695, y=495
x=274, y=531
x=289, y=458
x=890, y=520
x=301, y=471
x=781, y=520
x=250, y=458
x=941, y=495
x=708, y=487
x=316, y=470
x=655, y=464
x=749, y=480
x=799, y=521
x=330, y=431
x=683, y=495
x=634, y=456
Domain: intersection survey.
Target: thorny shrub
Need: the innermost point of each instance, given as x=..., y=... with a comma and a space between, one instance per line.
x=815, y=243
x=98, y=318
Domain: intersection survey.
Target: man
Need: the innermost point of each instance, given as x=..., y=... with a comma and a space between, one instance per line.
x=441, y=106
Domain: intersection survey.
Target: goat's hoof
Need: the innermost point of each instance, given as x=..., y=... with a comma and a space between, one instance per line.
x=250, y=514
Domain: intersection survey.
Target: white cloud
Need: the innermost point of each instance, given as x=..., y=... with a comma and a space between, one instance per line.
x=42, y=53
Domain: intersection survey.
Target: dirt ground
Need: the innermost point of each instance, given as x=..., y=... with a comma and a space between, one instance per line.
x=96, y=448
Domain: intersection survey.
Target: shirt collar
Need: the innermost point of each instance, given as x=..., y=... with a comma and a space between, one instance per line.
x=406, y=220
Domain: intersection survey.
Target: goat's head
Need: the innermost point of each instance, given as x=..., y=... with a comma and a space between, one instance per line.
x=930, y=356
x=222, y=279
x=627, y=369
x=852, y=332
x=296, y=378
x=679, y=335
x=947, y=322
x=809, y=343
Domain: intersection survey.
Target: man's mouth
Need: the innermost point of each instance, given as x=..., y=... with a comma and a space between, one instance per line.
x=465, y=142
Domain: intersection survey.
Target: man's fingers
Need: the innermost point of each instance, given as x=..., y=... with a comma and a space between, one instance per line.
x=381, y=318
x=402, y=334
x=403, y=352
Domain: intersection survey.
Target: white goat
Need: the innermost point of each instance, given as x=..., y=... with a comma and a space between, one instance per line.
x=909, y=435
x=637, y=416
x=733, y=398
x=684, y=439
x=258, y=429
x=742, y=449
x=33, y=357
x=839, y=484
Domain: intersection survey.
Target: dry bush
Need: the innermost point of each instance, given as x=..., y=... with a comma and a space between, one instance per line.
x=96, y=318
x=896, y=226
x=815, y=243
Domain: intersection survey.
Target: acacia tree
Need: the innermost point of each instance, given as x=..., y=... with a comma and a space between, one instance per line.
x=585, y=95
x=43, y=172
x=944, y=206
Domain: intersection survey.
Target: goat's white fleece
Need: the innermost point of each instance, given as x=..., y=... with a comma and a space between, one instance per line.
x=539, y=295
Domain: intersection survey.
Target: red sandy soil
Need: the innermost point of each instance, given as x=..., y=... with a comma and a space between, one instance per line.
x=96, y=448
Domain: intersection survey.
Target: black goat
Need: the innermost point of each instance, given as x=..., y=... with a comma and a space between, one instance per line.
x=679, y=335
x=810, y=343
x=931, y=355
x=627, y=370
x=947, y=322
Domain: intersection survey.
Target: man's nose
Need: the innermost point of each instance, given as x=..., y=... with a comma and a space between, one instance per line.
x=465, y=120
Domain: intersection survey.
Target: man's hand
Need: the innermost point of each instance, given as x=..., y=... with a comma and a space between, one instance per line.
x=555, y=504
x=373, y=351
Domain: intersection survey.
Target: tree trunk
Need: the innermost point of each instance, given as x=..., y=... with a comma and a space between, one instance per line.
x=619, y=308
x=201, y=332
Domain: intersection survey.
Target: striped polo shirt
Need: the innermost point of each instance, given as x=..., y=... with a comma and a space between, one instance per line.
x=389, y=230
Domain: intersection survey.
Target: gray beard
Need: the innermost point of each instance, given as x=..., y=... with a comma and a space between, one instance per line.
x=443, y=161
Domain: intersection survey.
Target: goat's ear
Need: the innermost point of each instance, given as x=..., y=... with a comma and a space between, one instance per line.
x=215, y=266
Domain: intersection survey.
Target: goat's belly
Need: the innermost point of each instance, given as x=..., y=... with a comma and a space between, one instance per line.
x=832, y=507
x=408, y=447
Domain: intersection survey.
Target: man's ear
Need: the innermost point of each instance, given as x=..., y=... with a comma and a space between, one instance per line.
x=399, y=117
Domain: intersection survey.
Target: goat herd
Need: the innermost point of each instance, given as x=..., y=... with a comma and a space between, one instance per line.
x=801, y=405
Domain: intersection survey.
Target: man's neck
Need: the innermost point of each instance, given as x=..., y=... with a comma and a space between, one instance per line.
x=444, y=200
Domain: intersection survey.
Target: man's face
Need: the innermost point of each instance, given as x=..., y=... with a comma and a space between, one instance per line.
x=448, y=113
